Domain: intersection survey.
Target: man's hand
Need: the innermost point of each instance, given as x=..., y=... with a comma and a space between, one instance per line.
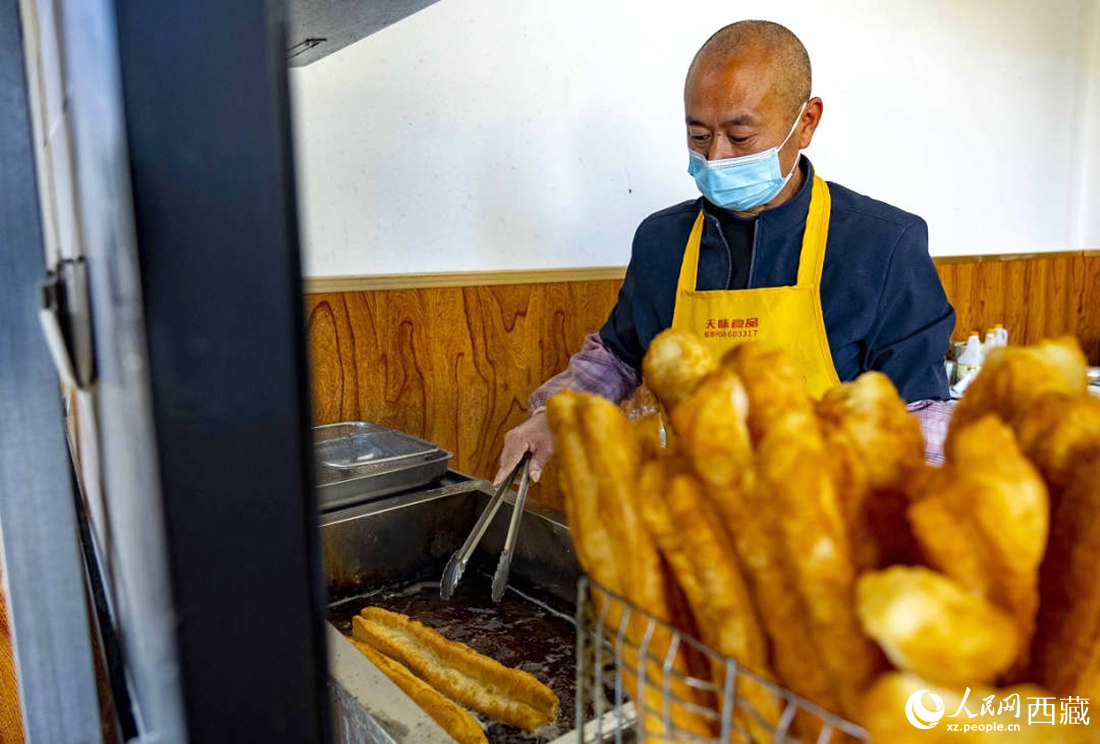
x=534, y=435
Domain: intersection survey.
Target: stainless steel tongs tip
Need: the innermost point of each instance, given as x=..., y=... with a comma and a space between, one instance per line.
x=451, y=575
x=504, y=565
x=457, y=563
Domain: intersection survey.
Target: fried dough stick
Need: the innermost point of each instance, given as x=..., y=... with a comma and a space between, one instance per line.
x=1057, y=432
x=504, y=694
x=796, y=487
x=591, y=539
x=674, y=364
x=875, y=445
x=982, y=520
x=693, y=540
x=1013, y=378
x=1066, y=651
x=774, y=387
x=885, y=436
x=725, y=463
x=617, y=470
x=458, y=724
x=615, y=460
x=711, y=428
x=601, y=464
x=796, y=479
x=929, y=625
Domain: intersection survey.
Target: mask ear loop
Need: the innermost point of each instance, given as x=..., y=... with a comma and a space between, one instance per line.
x=784, y=142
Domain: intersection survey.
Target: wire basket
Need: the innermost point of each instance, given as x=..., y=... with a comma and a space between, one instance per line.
x=635, y=682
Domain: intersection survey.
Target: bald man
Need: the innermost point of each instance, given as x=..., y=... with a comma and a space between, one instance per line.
x=748, y=259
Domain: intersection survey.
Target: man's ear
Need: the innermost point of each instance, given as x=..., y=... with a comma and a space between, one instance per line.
x=811, y=117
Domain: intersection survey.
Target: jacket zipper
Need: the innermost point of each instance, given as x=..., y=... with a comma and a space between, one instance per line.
x=729, y=256
x=752, y=256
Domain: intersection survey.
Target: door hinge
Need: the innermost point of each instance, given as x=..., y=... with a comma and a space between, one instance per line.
x=66, y=318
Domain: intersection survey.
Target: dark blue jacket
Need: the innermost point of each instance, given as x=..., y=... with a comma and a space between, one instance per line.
x=883, y=302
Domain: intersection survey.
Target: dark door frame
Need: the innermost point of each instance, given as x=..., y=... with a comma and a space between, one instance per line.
x=205, y=93
x=45, y=579
x=207, y=159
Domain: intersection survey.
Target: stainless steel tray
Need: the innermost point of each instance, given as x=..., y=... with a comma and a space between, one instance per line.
x=358, y=461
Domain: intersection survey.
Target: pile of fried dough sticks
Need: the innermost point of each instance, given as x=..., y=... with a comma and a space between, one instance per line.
x=446, y=677
x=809, y=540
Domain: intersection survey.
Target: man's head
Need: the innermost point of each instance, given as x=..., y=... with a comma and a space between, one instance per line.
x=744, y=91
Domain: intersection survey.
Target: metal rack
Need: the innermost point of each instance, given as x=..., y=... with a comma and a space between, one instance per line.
x=627, y=701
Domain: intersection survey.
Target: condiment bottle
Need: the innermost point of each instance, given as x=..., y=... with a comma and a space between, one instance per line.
x=990, y=342
x=970, y=361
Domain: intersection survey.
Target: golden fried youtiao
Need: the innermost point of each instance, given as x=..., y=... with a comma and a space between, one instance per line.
x=711, y=428
x=1013, y=378
x=616, y=468
x=774, y=386
x=1066, y=650
x=929, y=625
x=1058, y=431
x=793, y=471
x=591, y=540
x=873, y=420
x=695, y=545
x=601, y=464
x=651, y=434
x=458, y=724
x=513, y=696
x=875, y=446
x=982, y=519
x=674, y=364
x=754, y=522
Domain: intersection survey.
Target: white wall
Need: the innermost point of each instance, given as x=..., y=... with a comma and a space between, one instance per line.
x=511, y=134
x=1085, y=202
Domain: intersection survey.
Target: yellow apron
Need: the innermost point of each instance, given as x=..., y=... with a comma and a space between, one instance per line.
x=787, y=317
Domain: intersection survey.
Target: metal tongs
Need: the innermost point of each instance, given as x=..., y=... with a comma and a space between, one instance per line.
x=457, y=564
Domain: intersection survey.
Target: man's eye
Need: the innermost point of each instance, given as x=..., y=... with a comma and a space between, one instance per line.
x=700, y=138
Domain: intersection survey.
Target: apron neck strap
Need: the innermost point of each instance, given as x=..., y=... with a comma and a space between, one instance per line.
x=689, y=268
x=814, y=236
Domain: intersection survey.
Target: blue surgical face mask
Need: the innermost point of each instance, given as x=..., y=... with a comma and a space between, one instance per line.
x=746, y=182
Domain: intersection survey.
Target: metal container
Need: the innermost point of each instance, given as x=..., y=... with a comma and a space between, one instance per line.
x=358, y=461
x=628, y=676
x=391, y=552
x=390, y=549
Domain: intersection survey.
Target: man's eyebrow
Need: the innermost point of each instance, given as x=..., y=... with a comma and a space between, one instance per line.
x=740, y=120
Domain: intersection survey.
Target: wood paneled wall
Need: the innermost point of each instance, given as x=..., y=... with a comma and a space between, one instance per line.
x=1035, y=297
x=455, y=364
x=11, y=715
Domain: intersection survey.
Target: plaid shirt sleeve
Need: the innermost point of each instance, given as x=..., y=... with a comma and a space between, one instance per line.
x=934, y=417
x=594, y=369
